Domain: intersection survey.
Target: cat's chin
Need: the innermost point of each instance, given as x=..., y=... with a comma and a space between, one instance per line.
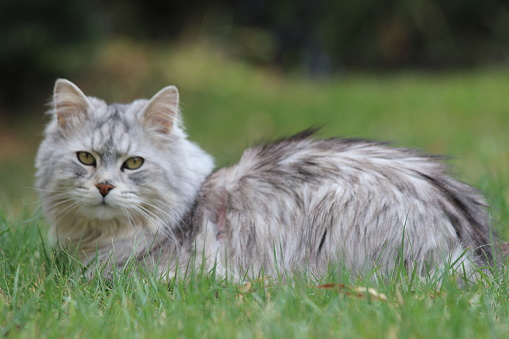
x=100, y=212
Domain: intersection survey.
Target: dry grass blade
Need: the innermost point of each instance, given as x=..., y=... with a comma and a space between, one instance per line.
x=358, y=292
x=248, y=287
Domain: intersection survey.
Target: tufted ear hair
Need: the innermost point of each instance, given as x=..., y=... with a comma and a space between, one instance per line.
x=161, y=113
x=69, y=102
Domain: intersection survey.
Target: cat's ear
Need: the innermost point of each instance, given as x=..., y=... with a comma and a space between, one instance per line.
x=162, y=111
x=70, y=104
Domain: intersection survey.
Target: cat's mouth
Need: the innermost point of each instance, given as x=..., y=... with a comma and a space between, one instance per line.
x=104, y=207
x=100, y=210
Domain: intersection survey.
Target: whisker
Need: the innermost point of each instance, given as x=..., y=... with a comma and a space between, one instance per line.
x=150, y=215
x=147, y=214
x=170, y=217
x=67, y=209
x=60, y=202
x=174, y=221
x=128, y=216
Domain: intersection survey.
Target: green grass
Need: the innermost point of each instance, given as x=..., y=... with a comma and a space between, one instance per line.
x=228, y=106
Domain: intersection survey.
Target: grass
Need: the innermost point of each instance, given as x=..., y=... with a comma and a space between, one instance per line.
x=227, y=106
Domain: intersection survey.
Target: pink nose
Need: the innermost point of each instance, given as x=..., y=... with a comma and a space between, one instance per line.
x=104, y=188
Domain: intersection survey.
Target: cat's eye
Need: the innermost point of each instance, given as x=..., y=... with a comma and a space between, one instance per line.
x=86, y=158
x=133, y=163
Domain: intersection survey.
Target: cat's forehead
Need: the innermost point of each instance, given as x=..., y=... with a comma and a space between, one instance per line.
x=125, y=113
x=114, y=130
x=111, y=114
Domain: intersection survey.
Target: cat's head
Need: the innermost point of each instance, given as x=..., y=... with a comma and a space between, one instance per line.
x=126, y=162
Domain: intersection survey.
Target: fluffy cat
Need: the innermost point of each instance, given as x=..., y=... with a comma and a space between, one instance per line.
x=123, y=181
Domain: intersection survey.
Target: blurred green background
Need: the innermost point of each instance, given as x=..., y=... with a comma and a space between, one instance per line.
x=427, y=74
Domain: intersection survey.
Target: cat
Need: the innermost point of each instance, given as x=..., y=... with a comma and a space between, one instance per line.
x=122, y=182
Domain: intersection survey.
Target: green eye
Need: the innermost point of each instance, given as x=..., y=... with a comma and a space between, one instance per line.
x=86, y=158
x=133, y=163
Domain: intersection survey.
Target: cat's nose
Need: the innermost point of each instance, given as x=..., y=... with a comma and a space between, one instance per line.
x=104, y=188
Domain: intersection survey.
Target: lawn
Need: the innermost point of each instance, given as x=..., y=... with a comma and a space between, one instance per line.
x=227, y=106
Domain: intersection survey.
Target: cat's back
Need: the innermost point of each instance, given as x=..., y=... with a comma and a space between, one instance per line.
x=301, y=159
x=346, y=199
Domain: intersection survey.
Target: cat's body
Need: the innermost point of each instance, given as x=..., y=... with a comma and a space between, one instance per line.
x=296, y=204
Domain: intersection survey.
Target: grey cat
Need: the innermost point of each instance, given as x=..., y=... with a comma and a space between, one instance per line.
x=121, y=182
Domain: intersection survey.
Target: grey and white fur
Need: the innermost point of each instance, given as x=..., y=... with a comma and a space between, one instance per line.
x=295, y=204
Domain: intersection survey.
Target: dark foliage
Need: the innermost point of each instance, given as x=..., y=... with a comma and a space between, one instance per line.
x=41, y=40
